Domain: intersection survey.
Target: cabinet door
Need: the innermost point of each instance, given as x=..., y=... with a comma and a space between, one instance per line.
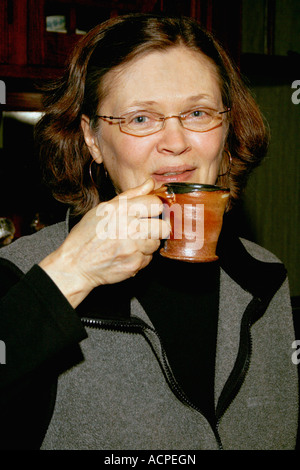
x=13, y=32
x=50, y=48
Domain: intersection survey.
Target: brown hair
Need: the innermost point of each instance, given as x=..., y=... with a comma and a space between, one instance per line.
x=63, y=152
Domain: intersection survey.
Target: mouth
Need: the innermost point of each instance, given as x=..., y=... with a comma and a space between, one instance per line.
x=174, y=174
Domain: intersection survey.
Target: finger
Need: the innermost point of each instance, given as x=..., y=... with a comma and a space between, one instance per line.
x=149, y=229
x=144, y=207
x=147, y=259
x=141, y=190
x=148, y=247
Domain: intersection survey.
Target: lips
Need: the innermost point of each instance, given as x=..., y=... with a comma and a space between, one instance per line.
x=173, y=174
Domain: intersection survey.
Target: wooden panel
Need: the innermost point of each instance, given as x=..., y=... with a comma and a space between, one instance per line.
x=58, y=46
x=28, y=72
x=36, y=32
x=272, y=199
x=222, y=19
x=17, y=31
x=226, y=24
x=23, y=102
x=3, y=32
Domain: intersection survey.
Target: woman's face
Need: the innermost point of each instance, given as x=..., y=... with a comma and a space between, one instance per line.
x=168, y=82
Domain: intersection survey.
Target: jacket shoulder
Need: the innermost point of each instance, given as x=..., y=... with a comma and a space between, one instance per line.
x=31, y=249
x=253, y=267
x=260, y=253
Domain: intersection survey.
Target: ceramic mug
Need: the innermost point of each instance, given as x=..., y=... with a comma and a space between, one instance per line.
x=195, y=213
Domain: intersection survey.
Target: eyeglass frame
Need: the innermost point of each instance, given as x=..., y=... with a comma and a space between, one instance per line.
x=180, y=116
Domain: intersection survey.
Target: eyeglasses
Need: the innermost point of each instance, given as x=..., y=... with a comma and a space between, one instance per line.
x=142, y=123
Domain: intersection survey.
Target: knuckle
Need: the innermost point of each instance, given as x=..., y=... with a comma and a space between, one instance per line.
x=135, y=265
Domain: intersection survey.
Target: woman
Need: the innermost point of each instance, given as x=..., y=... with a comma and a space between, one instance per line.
x=146, y=100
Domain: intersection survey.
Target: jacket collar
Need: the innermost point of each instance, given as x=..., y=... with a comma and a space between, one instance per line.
x=260, y=278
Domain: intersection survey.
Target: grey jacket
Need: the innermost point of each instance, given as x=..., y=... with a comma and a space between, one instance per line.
x=122, y=394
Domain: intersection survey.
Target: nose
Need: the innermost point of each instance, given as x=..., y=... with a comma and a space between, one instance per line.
x=173, y=139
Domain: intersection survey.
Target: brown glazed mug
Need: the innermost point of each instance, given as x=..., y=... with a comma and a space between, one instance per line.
x=195, y=213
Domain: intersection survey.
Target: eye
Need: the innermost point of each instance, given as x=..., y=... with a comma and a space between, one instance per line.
x=140, y=119
x=199, y=113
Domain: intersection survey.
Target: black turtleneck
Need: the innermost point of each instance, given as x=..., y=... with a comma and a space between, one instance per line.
x=182, y=300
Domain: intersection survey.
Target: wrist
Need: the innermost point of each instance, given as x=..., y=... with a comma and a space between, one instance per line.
x=74, y=287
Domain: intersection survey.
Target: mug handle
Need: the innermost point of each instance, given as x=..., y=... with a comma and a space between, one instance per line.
x=164, y=193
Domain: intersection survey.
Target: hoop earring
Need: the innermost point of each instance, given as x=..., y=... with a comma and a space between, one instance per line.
x=230, y=164
x=91, y=174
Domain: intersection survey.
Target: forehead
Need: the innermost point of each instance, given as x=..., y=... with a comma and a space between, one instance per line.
x=164, y=77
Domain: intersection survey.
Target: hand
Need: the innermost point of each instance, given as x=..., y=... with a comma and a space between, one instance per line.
x=111, y=243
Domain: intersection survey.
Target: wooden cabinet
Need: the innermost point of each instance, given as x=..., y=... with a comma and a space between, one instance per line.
x=30, y=53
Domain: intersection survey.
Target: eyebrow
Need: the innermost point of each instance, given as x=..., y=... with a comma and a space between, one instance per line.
x=198, y=97
x=143, y=103
x=188, y=99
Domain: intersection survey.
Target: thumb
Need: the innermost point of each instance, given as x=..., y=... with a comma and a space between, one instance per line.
x=141, y=190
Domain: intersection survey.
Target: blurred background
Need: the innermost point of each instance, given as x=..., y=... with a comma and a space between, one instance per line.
x=263, y=38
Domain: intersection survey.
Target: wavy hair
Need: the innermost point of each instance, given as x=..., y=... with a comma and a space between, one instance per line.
x=65, y=158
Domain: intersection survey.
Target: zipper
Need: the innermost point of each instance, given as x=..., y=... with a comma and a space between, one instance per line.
x=241, y=366
x=235, y=389
x=129, y=326
x=238, y=374
x=179, y=392
x=134, y=326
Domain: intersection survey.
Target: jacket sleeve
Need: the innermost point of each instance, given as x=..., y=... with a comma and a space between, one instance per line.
x=36, y=322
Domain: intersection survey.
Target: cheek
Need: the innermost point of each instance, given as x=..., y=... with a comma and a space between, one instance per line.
x=123, y=150
x=133, y=152
x=210, y=145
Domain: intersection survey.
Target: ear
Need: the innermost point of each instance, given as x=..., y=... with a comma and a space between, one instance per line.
x=90, y=139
